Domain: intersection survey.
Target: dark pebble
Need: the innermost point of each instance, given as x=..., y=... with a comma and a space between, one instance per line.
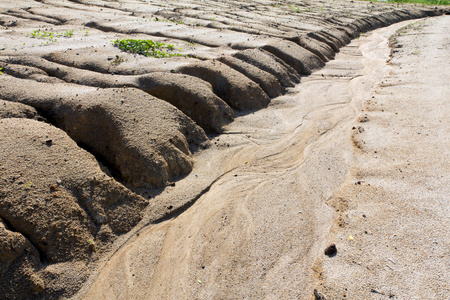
x=331, y=250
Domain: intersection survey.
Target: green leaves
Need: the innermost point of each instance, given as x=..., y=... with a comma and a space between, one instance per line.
x=145, y=47
x=49, y=35
x=68, y=33
x=428, y=2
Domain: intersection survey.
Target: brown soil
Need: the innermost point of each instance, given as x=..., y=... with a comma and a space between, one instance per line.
x=100, y=147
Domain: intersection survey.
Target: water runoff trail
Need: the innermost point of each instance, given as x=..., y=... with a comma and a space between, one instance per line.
x=260, y=229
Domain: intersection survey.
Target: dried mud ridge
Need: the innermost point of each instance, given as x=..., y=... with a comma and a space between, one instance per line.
x=87, y=131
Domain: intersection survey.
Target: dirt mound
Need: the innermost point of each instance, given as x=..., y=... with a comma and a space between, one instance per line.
x=191, y=95
x=233, y=87
x=10, y=109
x=302, y=60
x=19, y=265
x=267, y=62
x=145, y=139
x=321, y=49
x=57, y=205
x=269, y=83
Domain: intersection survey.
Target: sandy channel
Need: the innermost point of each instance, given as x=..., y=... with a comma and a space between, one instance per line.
x=356, y=155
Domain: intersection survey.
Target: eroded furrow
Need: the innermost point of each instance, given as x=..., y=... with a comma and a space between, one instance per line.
x=266, y=220
x=76, y=108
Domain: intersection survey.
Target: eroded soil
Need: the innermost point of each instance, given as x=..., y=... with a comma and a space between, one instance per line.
x=98, y=144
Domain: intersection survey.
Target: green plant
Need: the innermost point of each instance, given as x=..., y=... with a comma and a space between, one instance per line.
x=145, y=47
x=49, y=35
x=117, y=61
x=428, y=2
x=91, y=245
x=42, y=34
x=1, y=70
x=68, y=33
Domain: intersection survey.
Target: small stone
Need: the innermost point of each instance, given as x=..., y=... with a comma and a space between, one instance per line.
x=331, y=250
x=318, y=296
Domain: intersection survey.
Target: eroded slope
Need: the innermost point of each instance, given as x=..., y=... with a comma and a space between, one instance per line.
x=140, y=118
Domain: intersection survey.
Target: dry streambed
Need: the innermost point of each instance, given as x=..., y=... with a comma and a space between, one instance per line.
x=90, y=134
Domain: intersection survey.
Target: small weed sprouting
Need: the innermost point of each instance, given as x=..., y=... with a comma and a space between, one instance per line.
x=92, y=245
x=49, y=35
x=1, y=71
x=42, y=34
x=145, y=47
x=68, y=33
x=117, y=61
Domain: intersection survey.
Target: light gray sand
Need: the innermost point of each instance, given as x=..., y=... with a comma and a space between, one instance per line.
x=356, y=155
x=254, y=50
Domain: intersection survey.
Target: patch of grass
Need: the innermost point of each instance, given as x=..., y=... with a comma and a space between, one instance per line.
x=145, y=47
x=428, y=2
x=50, y=36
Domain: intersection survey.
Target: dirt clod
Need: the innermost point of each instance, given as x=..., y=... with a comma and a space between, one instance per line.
x=330, y=250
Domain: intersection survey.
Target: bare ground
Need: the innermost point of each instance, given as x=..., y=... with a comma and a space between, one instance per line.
x=356, y=156
x=92, y=135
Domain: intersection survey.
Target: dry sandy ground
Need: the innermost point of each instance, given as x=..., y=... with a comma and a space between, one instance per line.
x=356, y=155
x=104, y=183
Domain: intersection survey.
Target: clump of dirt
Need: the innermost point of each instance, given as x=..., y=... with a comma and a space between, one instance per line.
x=10, y=109
x=19, y=265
